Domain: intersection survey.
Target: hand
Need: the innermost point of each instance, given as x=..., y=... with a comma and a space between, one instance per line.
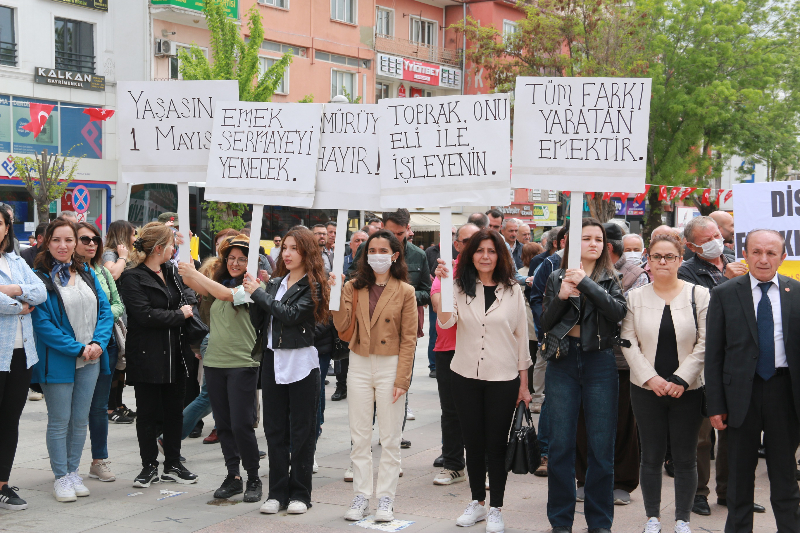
x=179, y=240
x=91, y=352
x=718, y=421
x=529, y=281
x=97, y=352
x=250, y=283
x=398, y=392
x=122, y=251
x=735, y=269
x=332, y=279
x=263, y=276
x=524, y=395
x=26, y=309
x=575, y=275
x=187, y=311
x=567, y=289
x=12, y=291
x=187, y=270
x=673, y=390
x=658, y=384
x=442, y=272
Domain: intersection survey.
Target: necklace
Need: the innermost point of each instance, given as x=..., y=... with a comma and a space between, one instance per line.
x=381, y=284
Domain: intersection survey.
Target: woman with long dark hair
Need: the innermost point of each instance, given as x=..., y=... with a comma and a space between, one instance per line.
x=382, y=346
x=581, y=310
x=294, y=300
x=119, y=243
x=73, y=328
x=490, y=365
x=231, y=364
x=20, y=291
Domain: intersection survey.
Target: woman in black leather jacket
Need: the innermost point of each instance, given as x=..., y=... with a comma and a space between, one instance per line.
x=295, y=300
x=580, y=312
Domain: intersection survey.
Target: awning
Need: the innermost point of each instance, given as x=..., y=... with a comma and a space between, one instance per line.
x=430, y=221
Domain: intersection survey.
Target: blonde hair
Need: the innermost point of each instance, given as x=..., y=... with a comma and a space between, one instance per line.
x=152, y=235
x=209, y=266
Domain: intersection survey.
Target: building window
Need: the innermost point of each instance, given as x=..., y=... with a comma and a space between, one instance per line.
x=343, y=81
x=509, y=28
x=74, y=45
x=381, y=91
x=8, y=38
x=284, y=4
x=384, y=23
x=264, y=63
x=342, y=60
x=344, y=10
x=283, y=48
x=175, y=63
x=423, y=31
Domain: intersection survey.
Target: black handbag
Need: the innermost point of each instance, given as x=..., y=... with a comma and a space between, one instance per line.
x=553, y=347
x=522, y=453
x=194, y=328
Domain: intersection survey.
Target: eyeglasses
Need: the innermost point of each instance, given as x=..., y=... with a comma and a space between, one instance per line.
x=669, y=258
x=237, y=260
x=86, y=240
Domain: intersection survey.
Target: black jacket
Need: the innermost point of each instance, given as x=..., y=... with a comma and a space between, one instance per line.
x=155, y=347
x=294, y=324
x=29, y=254
x=696, y=272
x=324, y=334
x=433, y=253
x=604, y=308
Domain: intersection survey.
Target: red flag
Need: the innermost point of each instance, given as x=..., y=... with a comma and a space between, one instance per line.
x=39, y=115
x=565, y=193
x=674, y=193
x=662, y=193
x=719, y=197
x=640, y=197
x=728, y=196
x=590, y=195
x=607, y=196
x=97, y=114
x=687, y=191
x=705, y=198
x=624, y=196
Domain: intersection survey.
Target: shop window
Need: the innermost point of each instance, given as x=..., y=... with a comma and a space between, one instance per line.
x=381, y=91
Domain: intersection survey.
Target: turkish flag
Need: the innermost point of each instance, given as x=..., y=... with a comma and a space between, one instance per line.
x=640, y=197
x=705, y=198
x=674, y=193
x=719, y=197
x=606, y=196
x=97, y=114
x=565, y=193
x=624, y=196
x=39, y=115
x=728, y=196
x=687, y=191
x=662, y=193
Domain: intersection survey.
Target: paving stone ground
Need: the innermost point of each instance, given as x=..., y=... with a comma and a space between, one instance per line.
x=112, y=507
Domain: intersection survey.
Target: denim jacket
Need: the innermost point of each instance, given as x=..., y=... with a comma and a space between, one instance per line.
x=33, y=293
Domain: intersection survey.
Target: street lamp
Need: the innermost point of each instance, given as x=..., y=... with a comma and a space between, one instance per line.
x=339, y=99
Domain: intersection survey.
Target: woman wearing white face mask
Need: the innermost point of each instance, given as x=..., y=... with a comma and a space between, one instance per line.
x=384, y=337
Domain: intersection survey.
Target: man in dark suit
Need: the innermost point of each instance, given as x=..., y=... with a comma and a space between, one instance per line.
x=753, y=380
x=30, y=254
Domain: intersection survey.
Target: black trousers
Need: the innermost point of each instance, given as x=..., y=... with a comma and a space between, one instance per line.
x=231, y=391
x=452, y=440
x=160, y=405
x=771, y=411
x=13, y=395
x=290, y=420
x=341, y=377
x=485, y=410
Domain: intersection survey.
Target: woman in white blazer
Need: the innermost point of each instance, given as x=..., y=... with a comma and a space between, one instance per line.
x=666, y=325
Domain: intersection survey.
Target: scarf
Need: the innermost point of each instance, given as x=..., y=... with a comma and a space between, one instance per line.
x=61, y=270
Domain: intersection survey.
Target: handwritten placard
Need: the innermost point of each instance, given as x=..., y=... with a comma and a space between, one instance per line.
x=164, y=128
x=581, y=134
x=264, y=153
x=445, y=151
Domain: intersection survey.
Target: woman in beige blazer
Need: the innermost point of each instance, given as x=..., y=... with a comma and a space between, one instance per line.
x=381, y=357
x=666, y=325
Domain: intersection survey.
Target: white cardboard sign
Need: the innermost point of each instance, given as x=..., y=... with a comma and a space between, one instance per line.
x=164, y=128
x=581, y=134
x=445, y=151
x=347, y=167
x=264, y=153
x=769, y=205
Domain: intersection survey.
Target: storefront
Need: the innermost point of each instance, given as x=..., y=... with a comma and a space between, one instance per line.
x=399, y=77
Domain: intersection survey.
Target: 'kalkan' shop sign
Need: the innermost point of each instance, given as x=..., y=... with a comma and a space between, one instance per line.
x=69, y=78
x=419, y=72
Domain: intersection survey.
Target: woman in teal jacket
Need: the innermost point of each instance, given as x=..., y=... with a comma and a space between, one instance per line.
x=73, y=327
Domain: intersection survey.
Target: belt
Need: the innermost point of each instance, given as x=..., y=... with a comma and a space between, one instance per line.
x=782, y=371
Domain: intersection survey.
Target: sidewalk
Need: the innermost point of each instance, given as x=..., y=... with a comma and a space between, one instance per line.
x=114, y=507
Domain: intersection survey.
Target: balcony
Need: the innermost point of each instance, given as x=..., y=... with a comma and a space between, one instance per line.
x=416, y=50
x=8, y=54
x=77, y=62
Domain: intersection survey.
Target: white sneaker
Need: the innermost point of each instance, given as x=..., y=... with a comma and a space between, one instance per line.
x=315, y=468
x=448, y=477
x=77, y=484
x=474, y=513
x=296, y=507
x=682, y=527
x=487, y=480
x=63, y=491
x=34, y=396
x=494, y=521
x=410, y=414
x=653, y=525
x=358, y=509
x=271, y=507
x=101, y=471
x=348, y=474
x=385, y=510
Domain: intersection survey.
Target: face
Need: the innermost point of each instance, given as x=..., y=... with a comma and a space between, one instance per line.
x=495, y=223
x=168, y=251
x=510, y=232
x=725, y=224
x=524, y=235
x=62, y=244
x=88, y=243
x=381, y=246
x=291, y=255
x=277, y=241
x=399, y=231
x=219, y=241
x=764, y=255
x=591, y=243
x=377, y=224
x=358, y=239
x=3, y=228
x=322, y=236
x=237, y=263
x=704, y=235
x=664, y=260
x=633, y=245
x=331, y=236
x=485, y=258
x=463, y=237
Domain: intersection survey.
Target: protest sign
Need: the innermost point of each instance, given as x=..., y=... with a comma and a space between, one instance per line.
x=770, y=205
x=445, y=151
x=164, y=128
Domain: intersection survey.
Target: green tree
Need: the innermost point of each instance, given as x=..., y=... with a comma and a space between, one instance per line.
x=46, y=177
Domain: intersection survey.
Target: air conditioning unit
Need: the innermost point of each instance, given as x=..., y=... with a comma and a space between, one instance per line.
x=165, y=47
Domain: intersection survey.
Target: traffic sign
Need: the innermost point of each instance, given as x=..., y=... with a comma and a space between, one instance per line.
x=80, y=199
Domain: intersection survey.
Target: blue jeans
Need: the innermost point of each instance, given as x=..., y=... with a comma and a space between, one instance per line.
x=432, y=336
x=196, y=411
x=98, y=413
x=544, y=430
x=68, y=407
x=324, y=364
x=591, y=378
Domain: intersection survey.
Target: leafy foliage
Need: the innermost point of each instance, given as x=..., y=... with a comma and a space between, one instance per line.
x=222, y=215
x=46, y=177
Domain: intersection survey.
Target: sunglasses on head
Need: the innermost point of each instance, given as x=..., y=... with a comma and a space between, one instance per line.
x=86, y=240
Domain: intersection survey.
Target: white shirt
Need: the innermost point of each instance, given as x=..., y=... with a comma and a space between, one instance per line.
x=5, y=267
x=774, y=295
x=291, y=365
x=80, y=303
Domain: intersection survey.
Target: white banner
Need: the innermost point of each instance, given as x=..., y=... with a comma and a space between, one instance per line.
x=581, y=134
x=347, y=168
x=770, y=205
x=445, y=151
x=264, y=153
x=164, y=128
